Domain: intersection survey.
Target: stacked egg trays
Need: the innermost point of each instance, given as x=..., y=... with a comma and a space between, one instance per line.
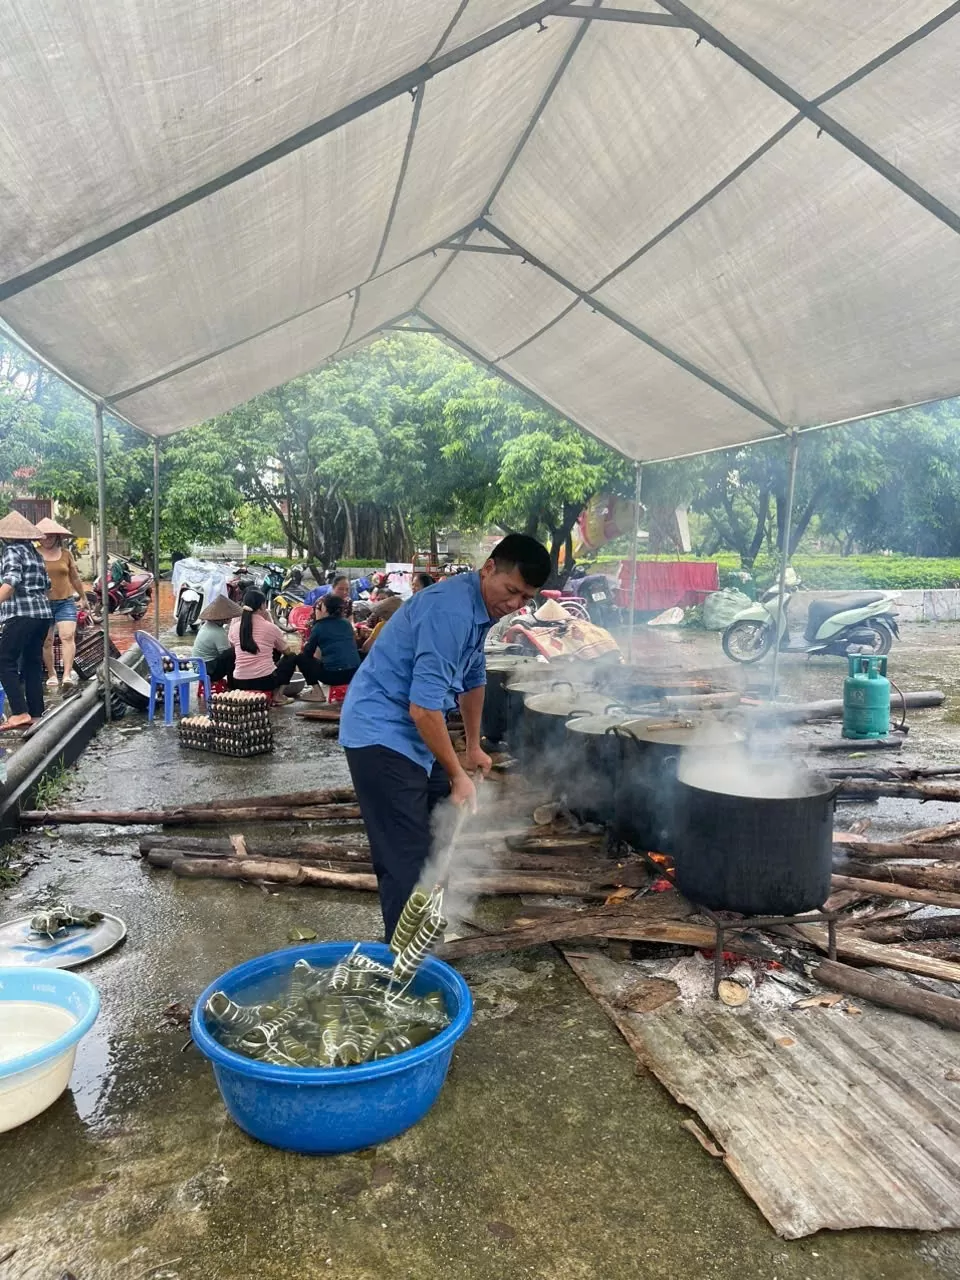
x=238, y=725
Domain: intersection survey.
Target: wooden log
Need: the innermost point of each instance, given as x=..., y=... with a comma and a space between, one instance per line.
x=880, y=849
x=584, y=925
x=891, y=773
x=832, y=708
x=295, y=799
x=190, y=817
x=879, y=888
x=932, y=835
x=910, y=931
x=700, y=701
x=338, y=848
x=894, y=995
x=853, y=948
x=492, y=884
x=273, y=870
x=870, y=788
x=947, y=878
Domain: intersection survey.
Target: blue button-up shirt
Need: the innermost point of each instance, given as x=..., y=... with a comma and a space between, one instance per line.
x=429, y=653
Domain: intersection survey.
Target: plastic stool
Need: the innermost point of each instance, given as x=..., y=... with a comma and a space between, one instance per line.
x=337, y=692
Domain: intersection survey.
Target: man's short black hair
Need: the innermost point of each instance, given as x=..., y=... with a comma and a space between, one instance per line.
x=334, y=605
x=424, y=578
x=520, y=551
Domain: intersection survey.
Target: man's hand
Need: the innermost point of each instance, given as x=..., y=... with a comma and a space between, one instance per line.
x=462, y=791
x=476, y=759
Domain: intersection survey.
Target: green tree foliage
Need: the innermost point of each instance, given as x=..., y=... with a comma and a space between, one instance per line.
x=47, y=428
x=367, y=456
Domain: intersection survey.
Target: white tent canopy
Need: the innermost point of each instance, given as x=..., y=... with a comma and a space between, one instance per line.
x=683, y=227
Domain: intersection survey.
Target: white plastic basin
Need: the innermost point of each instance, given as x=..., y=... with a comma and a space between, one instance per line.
x=42, y=1019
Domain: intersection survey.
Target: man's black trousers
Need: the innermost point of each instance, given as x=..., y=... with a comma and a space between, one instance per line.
x=396, y=799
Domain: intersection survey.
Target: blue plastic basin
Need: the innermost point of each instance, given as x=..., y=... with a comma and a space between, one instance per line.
x=323, y=1110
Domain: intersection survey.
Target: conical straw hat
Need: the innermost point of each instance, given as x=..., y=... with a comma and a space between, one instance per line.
x=17, y=528
x=222, y=609
x=46, y=525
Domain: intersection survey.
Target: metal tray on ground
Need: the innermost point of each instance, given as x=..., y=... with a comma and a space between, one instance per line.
x=75, y=946
x=130, y=685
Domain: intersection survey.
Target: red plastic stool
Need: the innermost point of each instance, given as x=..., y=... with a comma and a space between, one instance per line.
x=216, y=686
x=337, y=692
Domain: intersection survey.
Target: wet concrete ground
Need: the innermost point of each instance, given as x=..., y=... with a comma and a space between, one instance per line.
x=547, y=1154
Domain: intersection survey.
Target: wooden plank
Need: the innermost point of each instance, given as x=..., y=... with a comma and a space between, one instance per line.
x=827, y=1121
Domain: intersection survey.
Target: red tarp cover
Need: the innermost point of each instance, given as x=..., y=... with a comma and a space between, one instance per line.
x=662, y=584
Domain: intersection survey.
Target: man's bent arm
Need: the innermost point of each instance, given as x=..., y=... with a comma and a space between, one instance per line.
x=432, y=728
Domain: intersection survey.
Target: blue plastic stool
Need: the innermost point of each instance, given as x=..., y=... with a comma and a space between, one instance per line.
x=175, y=682
x=3, y=701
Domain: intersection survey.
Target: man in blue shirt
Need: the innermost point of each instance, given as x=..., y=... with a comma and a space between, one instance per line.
x=428, y=658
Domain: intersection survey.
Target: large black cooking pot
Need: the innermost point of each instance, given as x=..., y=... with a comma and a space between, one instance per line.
x=543, y=748
x=647, y=778
x=493, y=724
x=592, y=764
x=756, y=855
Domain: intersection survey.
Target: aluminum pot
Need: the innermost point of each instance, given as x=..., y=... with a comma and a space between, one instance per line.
x=755, y=854
x=520, y=684
x=647, y=778
x=592, y=766
x=543, y=750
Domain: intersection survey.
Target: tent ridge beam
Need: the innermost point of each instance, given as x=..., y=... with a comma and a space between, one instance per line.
x=117, y=396
x=609, y=314
x=856, y=146
x=494, y=367
x=620, y=15
x=406, y=83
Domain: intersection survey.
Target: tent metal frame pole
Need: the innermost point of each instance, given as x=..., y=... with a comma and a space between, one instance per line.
x=102, y=531
x=156, y=536
x=619, y=15
x=794, y=449
x=638, y=484
x=856, y=146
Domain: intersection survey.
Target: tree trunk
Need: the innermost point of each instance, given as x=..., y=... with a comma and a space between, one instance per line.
x=763, y=514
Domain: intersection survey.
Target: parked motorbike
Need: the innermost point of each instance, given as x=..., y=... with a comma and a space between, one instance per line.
x=864, y=623
x=593, y=589
x=191, y=598
x=292, y=593
x=127, y=592
x=243, y=580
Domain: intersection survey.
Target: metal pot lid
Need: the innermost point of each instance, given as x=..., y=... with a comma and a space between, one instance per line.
x=681, y=733
x=539, y=673
x=598, y=726
x=564, y=703
x=509, y=662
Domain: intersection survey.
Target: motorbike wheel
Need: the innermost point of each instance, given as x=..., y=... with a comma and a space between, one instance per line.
x=747, y=641
x=881, y=644
x=182, y=623
x=281, y=615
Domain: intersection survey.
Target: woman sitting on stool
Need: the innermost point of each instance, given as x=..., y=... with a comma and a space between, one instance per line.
x=256, y=639
x=333, y=635
x=212, y=643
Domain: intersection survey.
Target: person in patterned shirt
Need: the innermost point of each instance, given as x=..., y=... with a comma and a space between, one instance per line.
x=25, y=617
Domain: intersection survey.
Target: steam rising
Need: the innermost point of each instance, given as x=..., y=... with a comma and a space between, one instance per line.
x=736, y=772
x=459, y=854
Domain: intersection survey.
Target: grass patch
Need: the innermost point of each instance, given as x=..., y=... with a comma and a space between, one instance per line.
x=52, y=785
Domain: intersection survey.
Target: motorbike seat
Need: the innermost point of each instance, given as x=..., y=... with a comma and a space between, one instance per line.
x=821, y=610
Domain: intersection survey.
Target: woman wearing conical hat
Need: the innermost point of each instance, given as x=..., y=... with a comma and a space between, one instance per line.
x=25, y=617
x=66, y=583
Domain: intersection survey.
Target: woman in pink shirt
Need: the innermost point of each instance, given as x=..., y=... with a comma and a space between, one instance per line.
x=255, y=639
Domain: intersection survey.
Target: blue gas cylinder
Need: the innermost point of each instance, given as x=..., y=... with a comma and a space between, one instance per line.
x=866, y=698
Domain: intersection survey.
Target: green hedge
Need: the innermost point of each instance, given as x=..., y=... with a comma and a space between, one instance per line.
x=842, y=573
